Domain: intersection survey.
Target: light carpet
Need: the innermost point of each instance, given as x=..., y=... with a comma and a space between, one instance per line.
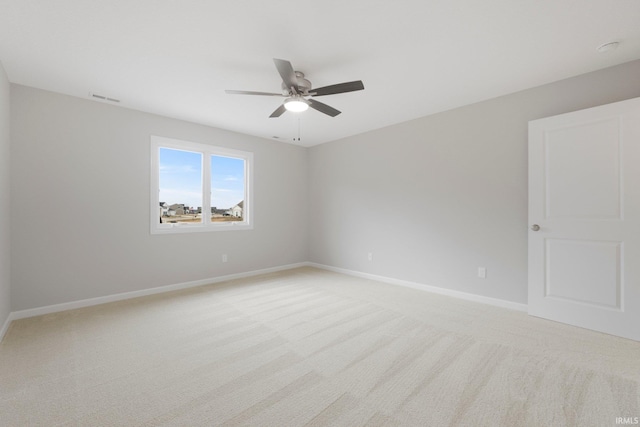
x=307, y=347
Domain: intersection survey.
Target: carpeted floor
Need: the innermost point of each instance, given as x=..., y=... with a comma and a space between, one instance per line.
x=308, y=347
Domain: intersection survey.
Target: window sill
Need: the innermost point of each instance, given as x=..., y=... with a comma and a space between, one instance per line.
x=184, y=228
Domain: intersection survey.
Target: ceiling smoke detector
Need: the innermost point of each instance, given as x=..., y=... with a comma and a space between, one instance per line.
x=607, y=47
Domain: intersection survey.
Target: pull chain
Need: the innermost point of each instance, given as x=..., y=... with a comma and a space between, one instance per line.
x=294, y=138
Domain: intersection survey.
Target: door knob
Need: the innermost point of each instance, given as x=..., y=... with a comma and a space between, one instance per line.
x=535, y=227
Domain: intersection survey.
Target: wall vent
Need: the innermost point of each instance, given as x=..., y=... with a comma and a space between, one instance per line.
x=102, y=97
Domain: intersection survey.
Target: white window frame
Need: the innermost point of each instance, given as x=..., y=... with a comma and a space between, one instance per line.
x=206, y=151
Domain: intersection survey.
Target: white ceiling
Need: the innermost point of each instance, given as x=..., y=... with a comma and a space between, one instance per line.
x=415, y=57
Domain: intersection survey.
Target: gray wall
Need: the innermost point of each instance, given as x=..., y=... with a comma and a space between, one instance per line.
x=5, y=189
x=80, y=203
x=435, y=198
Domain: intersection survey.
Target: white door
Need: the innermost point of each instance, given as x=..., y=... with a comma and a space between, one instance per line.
x=584, y=218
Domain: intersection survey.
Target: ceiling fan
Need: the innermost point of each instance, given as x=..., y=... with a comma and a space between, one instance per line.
x=298, y=92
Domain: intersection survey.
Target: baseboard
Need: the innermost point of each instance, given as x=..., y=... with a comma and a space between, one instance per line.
x=434, y=289
x=39, y=311
x=5, y=327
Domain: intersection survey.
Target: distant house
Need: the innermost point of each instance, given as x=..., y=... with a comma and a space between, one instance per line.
x=164, y=209
x=218, y=212
x=236, y=210
x=176, y=209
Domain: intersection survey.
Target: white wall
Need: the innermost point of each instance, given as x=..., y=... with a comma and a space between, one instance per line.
x=80, y=203
x=435, y=198
x=5, y=189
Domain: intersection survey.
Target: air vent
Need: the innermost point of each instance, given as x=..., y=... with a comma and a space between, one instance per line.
x=102, y=97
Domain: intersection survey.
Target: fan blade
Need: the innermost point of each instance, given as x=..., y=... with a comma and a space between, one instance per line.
x=248, y=92
x=286, y=72
x=323, y=108
x=339, y=88
x=278, y=111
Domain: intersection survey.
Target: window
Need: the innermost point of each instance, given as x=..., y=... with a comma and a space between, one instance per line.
x=199, y=187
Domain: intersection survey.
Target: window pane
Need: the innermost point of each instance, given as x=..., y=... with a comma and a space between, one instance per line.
x=180, y=186
x=227, y=189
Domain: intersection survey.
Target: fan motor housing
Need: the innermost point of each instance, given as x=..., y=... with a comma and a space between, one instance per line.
x=303, y=84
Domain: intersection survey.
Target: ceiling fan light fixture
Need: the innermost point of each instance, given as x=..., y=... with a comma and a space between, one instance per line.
x=296, y=104
x=298, y=94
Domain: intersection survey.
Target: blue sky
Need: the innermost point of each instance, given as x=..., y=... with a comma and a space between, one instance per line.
x=227, y=181
x=181, y=179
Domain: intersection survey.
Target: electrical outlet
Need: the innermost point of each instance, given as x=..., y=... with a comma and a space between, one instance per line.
x=224, y=258
x=370, y=256
x=482, y=272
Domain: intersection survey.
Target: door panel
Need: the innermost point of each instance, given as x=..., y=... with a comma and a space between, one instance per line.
x=582, y=170
x=573, y=265
x=584, y=180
